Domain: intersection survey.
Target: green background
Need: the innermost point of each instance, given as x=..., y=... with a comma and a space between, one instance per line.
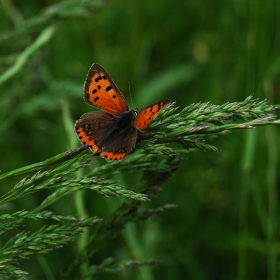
x=226, y=222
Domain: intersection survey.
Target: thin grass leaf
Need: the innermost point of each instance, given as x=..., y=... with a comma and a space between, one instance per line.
x=63, y=10
x=109, y=265
x=68, y=155
x=43, y=39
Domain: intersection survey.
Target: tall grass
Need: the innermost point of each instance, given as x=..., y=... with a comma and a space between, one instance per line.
x=225, y=225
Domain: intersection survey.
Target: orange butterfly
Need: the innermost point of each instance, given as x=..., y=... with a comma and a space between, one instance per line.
x=113, y=130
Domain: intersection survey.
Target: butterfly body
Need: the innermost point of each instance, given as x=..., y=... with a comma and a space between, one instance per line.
x=113, y=130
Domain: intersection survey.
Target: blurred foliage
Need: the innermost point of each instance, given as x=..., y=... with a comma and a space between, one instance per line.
x=226, y=224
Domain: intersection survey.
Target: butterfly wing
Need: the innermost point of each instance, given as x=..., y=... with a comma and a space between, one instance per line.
x=101, y=92
x=93, y=127
x=100, y=131
x=121, y=146
x=147, y=114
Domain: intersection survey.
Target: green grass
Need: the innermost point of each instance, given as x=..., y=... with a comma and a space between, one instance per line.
x=225, y=225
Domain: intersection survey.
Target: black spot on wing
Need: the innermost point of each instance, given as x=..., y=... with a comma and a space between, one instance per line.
x=159, y=107
x=108, y=88
x=97, y=79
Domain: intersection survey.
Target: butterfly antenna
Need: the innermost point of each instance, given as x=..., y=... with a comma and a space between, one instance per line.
x=128, y=84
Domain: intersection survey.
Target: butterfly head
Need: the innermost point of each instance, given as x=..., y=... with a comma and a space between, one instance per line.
x=135, y=111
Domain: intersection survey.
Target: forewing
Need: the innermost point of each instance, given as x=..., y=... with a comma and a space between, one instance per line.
x=93, y=127
x=101, y=92
x=147, y=114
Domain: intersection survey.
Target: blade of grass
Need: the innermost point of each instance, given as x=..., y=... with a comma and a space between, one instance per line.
x=78, y=196
x=42, y=39
x=272, y=219
x=68, y=155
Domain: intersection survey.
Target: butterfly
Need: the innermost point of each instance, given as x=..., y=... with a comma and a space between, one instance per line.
x=113, y=130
